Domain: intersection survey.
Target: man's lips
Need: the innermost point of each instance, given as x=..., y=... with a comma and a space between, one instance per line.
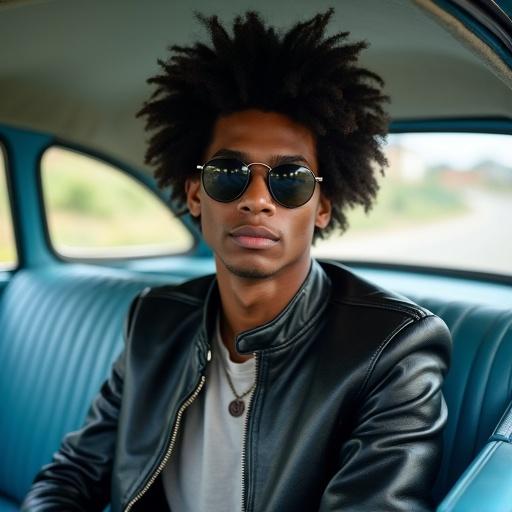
x=254, y=237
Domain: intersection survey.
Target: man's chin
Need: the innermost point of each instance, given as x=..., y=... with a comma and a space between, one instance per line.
x=249, y=272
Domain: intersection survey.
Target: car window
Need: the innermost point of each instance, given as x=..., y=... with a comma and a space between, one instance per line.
x=446, y=201
x=95, y=210
x=8, y=256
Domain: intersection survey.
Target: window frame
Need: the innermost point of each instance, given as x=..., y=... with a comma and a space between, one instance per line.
x=138, y=176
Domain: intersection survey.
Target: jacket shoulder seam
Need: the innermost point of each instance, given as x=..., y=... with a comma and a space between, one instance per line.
x=380, y=349
x=413, y=311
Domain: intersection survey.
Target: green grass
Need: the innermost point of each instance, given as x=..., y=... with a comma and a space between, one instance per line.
x=401, y=203
x=7, y=249
x=93, y=205
x=97, y=191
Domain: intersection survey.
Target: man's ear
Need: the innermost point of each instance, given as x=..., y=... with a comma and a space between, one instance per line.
x=323, y=212
x=193, y=191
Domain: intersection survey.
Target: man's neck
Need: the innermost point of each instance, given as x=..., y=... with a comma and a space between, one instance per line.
x=249, y=303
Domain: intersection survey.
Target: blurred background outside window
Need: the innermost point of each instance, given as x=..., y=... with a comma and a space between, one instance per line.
x=95, y=210
x=446, y=201
x=8, y=257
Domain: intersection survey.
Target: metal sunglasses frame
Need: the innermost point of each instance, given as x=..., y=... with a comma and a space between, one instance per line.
x=318, y=179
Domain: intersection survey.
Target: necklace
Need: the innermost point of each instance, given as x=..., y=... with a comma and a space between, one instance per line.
x=237, y=406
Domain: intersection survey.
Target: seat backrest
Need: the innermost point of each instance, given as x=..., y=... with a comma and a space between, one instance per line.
x=60, y=330
x=478, y=387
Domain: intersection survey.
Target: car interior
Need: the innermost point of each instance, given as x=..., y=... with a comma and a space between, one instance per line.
x=72, y=77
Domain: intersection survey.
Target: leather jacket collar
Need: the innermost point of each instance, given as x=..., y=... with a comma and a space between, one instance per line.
x=305, y=308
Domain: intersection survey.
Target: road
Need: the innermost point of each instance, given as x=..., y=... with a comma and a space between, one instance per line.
x=479, y=240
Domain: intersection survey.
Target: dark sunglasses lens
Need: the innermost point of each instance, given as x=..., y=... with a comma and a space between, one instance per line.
x=292, y=185
x=224, y=179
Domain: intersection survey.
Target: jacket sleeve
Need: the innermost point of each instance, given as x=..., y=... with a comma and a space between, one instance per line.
x=391, y=459
x=79, y=476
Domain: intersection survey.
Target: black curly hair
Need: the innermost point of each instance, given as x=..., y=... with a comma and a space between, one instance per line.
x=315, y=81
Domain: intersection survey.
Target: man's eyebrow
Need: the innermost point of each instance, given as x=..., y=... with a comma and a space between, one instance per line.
x=230, y=153
x=289, y=159
x=273, y=161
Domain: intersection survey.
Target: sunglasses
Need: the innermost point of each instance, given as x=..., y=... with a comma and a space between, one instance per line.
x=226, y=179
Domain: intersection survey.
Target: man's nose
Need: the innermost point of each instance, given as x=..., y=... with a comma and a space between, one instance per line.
x=257, y=198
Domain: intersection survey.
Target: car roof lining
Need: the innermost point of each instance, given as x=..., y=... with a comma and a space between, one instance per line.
x=469, y=39
x=78, y=69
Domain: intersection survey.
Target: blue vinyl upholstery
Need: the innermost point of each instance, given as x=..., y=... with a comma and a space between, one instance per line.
x=487, y=483
x=478, y=387
x=61, y=327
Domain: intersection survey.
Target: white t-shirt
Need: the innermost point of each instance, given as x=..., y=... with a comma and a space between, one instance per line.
x=204, y=472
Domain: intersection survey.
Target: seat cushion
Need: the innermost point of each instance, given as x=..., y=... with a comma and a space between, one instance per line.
x=488, y=479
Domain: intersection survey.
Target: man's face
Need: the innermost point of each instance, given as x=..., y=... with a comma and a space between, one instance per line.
x=253, y=236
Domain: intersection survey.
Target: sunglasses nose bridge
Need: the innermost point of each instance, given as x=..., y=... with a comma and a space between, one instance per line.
x=257, y=196
x=267, y=167
x=262, y=175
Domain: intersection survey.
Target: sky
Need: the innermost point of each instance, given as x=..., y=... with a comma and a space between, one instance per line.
x=458, y=150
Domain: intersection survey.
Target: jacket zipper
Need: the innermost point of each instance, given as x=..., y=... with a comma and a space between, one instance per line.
x=172, y=442
x=244, y=438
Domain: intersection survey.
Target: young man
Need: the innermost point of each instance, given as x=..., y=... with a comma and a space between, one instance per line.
x=279, y=384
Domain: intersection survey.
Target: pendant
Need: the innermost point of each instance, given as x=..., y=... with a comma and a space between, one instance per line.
x=236, y=408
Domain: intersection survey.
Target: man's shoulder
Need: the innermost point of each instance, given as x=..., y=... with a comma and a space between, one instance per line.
x=379, y=320
x=192, y=291
x=348, y=289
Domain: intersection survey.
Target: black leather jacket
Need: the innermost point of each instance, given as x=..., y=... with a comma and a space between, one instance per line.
x=347, y=412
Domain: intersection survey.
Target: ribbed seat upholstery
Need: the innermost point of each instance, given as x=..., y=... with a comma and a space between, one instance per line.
x=60, y=329
x=478, y=387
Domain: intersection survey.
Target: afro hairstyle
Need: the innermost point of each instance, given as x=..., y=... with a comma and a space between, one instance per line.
x=315, y=80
